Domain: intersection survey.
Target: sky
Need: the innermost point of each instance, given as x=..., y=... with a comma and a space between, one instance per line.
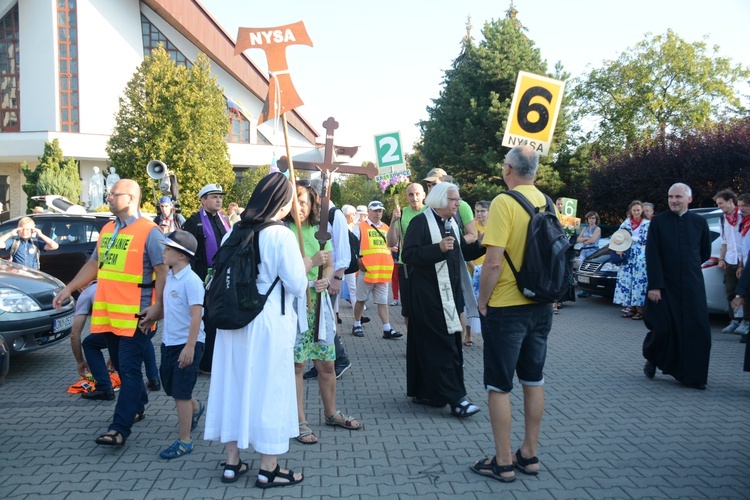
x=376, y=66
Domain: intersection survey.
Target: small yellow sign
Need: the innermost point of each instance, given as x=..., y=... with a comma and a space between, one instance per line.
x=533, y=112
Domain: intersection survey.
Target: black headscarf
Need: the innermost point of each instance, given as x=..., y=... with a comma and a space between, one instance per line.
x=269, y=196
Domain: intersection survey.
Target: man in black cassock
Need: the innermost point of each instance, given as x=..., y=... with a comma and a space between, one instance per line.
x=679, y=342
x=434, y=357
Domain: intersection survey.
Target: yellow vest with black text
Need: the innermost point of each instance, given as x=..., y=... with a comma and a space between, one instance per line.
x=120, y=276
x=376, y=256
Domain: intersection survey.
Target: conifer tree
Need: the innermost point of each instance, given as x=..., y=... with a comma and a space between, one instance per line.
x=176, y=115
x=464, y=131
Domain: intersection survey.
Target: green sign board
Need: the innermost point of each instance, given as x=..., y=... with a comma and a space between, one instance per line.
x=569, y=207
x=388, y=149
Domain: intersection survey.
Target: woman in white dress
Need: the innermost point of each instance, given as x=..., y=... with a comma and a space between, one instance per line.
x=252, y=398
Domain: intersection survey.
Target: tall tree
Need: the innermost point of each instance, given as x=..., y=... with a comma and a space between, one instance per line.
x=176, y=115
x=53, y=175
x=664, y=85
x=466, y=123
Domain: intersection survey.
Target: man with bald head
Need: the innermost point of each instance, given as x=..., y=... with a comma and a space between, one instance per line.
x=676, y=313
x=400, y=221
x=130, y=270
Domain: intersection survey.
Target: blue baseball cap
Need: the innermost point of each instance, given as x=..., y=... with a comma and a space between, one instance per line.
x=165, y=199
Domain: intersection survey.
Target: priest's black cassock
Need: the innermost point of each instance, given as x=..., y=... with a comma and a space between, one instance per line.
x=679, y=341
x=434, y=357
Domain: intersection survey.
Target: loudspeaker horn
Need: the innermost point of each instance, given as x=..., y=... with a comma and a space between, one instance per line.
x=156, y=169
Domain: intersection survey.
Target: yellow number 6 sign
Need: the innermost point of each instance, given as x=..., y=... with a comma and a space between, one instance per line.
x=533, y=112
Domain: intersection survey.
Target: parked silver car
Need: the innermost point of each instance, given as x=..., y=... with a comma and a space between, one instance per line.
x=27, y=320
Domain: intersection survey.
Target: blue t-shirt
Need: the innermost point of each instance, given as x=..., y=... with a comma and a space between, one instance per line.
x=26, y=253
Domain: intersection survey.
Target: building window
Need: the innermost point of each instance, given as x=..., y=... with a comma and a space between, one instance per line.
x=152, y=37
x=67, y=41
x=239, y=130
x=9, y=73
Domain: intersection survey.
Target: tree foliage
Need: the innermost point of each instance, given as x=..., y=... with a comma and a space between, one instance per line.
x=464, y=131
x=53, y=175
x=706, y=160
x=250, y=178
x=176, y=115
x=662, y=86
x=359, y=190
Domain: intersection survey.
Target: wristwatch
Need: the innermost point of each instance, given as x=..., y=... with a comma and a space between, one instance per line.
x=338, y=278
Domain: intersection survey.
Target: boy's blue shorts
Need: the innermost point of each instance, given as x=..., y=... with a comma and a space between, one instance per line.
x=179, y=382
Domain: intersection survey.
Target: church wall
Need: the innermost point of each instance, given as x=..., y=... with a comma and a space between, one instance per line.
x=38, y=65
x=110, y=48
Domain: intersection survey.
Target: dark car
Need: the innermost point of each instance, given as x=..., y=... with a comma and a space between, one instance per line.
x=76, y=234
x=27, y=319
x=598, y=276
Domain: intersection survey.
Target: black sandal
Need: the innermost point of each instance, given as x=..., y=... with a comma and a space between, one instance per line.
x=464, y=409
x=521, y=463
x=493, y=470
x=116, y=439
x=141, y=415
x=271, y=478
x=237, y=469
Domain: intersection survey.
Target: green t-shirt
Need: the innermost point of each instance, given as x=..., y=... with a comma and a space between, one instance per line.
x=407, y=214
x=311, y=245
x=466, y=214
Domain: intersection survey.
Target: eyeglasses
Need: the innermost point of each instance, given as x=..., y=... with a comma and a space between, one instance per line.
x=304, y=183
x=454, y=200
x=115, y=195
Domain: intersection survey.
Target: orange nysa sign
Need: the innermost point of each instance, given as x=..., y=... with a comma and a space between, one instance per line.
x=282, y=96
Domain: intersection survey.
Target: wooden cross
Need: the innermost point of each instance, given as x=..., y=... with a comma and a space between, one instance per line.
x=326, y=169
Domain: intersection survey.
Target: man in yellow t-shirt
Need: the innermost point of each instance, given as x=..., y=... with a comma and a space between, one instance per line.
x=514, y=328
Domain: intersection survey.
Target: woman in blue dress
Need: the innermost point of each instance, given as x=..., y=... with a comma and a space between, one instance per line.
x=632, y=281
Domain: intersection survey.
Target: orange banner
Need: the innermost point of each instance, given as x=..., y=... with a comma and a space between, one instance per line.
x=282, y=96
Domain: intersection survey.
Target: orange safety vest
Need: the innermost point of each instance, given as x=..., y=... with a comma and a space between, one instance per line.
x=118, y=296
x=376, y=256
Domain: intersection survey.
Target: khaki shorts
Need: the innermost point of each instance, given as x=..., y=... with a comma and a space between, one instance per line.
x=379, y=290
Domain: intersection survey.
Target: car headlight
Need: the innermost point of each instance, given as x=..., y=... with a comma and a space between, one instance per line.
x=15, y=301
x=610, y=267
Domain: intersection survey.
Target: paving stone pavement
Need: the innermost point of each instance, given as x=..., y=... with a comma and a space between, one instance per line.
x=608, y=432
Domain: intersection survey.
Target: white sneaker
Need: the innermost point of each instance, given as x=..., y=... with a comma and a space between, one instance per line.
x=743, y=329
x=731, y=327
x=394, y=303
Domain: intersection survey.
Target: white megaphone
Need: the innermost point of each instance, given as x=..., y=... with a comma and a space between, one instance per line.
x=157, y=170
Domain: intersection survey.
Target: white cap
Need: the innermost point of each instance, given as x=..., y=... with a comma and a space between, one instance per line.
x=210, y=189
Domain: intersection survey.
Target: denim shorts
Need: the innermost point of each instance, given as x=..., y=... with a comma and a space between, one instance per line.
x=515, y=341
x=179, y=382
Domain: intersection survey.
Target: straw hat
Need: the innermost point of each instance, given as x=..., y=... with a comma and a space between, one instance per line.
x=620, y=240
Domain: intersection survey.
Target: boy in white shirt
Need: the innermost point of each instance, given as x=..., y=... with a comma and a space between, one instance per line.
x=183, y=338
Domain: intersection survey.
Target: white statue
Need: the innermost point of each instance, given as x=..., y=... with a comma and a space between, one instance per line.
x=112, y=178
x=96, y=190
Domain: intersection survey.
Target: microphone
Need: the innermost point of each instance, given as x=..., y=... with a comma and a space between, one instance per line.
x=448, y=226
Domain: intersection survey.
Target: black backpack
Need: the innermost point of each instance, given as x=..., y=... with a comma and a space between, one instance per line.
x=547, y=270
x=353, y=245
x=232, y=299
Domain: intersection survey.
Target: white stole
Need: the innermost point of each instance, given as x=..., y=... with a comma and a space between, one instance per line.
x=452, y=319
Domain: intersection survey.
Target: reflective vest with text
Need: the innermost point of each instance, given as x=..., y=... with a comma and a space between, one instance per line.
x=376, y=256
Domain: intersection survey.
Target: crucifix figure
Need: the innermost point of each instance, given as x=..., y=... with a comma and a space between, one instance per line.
x=326, y=169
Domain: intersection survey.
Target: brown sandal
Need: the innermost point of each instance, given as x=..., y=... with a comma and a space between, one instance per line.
x=345, y=421
x=305, y=431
